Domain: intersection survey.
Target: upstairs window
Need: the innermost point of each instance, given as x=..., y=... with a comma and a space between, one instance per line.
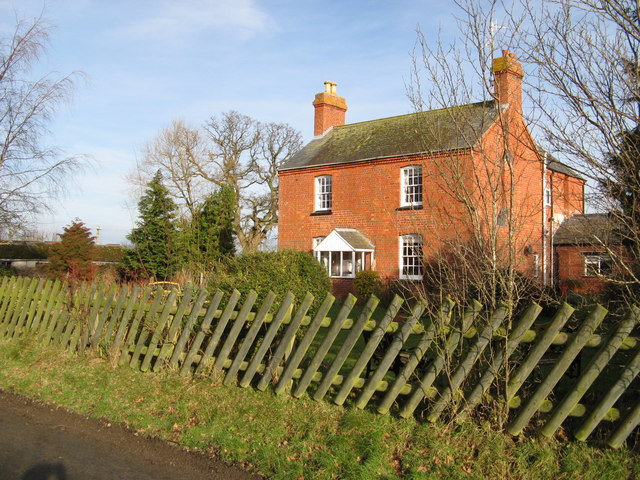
x=323, y=193
x=411, y=257
x=597, y=265
x=411, y=186
x=547, y=197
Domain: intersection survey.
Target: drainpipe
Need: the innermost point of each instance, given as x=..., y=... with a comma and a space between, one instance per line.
x=551, y=232
x=544, y=219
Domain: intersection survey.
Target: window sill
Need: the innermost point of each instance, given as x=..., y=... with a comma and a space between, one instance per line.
x=321, y=212
x=410, y=207
x=411, y=278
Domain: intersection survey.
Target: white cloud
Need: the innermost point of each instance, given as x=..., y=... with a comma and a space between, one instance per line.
x=179, y=20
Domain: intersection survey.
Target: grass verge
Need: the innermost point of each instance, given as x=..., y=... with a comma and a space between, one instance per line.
x=286, y=438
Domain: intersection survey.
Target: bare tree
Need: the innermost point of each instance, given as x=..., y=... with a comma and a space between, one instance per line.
x=31, y=173
x=482, y=190
x=246, y=154
x=583, y=82
x=233, y=151
x=176, y=150
x=486, y=224
x=585, y=55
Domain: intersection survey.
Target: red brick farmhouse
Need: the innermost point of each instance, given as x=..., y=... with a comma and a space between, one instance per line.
x=388, y=194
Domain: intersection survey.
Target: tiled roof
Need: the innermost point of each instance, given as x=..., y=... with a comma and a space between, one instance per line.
x=556, y=165
x=589, y=229
x=345, y=239
x=356, y=239
x=423, y=132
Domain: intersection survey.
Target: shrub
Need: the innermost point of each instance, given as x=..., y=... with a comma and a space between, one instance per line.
x=367, y=283
x=283, y=271
x=24, y=250
x=72, y=257
x=109, y=253
x=7, y=271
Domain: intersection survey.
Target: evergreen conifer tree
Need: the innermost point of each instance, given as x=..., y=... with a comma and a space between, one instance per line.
x=623, y=186
x=154, y=238
x=73, y=255
x=209, y=236
x=213, y=226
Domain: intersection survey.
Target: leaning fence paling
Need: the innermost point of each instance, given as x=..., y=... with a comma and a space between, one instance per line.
x=432, y=366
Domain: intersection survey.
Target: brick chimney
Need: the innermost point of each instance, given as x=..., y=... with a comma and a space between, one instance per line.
x=329, y=109
x=508, y=75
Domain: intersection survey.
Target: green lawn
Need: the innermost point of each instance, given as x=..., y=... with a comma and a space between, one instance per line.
x=286, y=438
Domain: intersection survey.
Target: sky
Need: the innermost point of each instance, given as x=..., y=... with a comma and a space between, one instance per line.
x=148, y=62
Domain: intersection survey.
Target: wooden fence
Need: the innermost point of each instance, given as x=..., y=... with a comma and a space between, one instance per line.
x=448, y=365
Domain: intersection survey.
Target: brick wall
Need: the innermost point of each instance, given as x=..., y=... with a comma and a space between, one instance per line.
x=570, y=266
x=568, y=194
x=366, y=196
x=570, y=269
x=341, y=287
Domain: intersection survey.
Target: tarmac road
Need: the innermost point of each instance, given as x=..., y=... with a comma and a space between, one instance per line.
x=44, y=442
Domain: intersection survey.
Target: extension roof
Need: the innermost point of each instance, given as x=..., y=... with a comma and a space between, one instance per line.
x=595, y=229
x=345, y=239
x=440, y=130
x=557, y=166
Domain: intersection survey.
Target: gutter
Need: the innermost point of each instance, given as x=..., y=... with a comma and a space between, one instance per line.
x=396, y=156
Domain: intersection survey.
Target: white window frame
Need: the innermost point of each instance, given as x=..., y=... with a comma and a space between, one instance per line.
x=345, y=263
x=536, y=265
x=323, y=193
x=411, y=186
x=348, y=262
x=548, y=198
x=409, y=259
x=339, y=257
x=593, y=263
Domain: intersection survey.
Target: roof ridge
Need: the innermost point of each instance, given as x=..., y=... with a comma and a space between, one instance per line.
x=347, y=125
x=444, y=129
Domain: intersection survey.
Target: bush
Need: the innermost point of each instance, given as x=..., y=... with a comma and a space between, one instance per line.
x=109, y=253
x=367, y=283
x=283, y=271
x=25, y=250
x=7, y=271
